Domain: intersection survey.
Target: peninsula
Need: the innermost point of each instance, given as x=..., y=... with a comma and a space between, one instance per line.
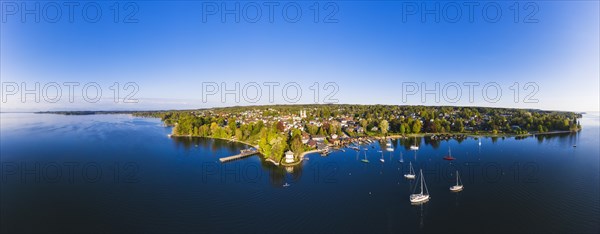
x=276, y=129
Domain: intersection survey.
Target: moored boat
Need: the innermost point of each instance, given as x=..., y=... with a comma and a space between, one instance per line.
x=458, y=187
x=423, y=196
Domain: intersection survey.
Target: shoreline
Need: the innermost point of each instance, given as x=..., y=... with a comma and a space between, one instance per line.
x=230, y=140
x=472, y=134
x=303, y=154
x=300, y=158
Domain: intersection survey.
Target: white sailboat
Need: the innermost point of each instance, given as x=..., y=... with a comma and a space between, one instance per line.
x=411, y=173
x=401, y=158
x=415, y=146
x=365, y=160
x=419, y=198
x=389, y=146
x=382, y=160
x=458, y=187
x=479, y=141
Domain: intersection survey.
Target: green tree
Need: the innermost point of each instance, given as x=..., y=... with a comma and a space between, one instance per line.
x=214, y=128
x=296, y=143
x=384, y=125
x=312, y=129
x=416, y=127
x=239, y=135
x=232, y=125
x=364, y=123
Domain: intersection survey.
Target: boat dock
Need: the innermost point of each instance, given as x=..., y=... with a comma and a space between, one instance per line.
x=243, y=154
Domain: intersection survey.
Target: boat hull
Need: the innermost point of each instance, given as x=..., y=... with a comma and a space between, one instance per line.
x=456, y=188
x=419, y=198
x=410, y=177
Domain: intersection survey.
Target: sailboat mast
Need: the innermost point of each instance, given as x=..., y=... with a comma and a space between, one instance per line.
x=456, y=178
x=421, y=182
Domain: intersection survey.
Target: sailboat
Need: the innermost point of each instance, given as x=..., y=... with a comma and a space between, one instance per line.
x=382, y=160
x=419, y=198
x=389, y=146
x=411, y=173
x=401, y=158
x=415, y=146
x=458, y=187
x=365, y=160
x=479, y=141
x=449, y=156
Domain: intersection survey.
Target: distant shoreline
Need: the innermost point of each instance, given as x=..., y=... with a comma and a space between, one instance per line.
x=86, y=112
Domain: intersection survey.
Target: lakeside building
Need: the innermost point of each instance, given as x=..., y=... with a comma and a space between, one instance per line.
x=289, y=157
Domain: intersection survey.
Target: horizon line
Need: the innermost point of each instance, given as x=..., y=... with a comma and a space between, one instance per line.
x=263, y=105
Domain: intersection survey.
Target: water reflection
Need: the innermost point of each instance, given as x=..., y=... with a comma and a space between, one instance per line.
x=421, y=212
x=456, y=199
x=565, y=139
x=174, y=185
x=435, y=143
x=214, y=145
x=278, y=176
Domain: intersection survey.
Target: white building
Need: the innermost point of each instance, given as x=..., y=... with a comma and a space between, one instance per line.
x=302, y=113
x=289, y=157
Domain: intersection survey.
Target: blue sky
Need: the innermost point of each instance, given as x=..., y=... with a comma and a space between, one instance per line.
x=368, y=49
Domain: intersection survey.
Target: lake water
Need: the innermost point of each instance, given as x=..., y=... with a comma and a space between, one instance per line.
x=117, y=173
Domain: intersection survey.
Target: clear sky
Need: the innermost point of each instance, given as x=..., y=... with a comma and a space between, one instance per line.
x=367, y=49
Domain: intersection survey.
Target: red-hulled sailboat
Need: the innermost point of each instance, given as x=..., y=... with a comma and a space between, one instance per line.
x=449, y=156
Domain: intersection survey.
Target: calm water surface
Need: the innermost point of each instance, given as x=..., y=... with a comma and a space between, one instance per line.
x=117, y=173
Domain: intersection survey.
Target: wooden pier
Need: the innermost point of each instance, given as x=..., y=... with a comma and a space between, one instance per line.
x=238, y=156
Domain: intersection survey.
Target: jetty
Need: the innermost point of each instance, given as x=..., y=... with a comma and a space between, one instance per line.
x=242, y=154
